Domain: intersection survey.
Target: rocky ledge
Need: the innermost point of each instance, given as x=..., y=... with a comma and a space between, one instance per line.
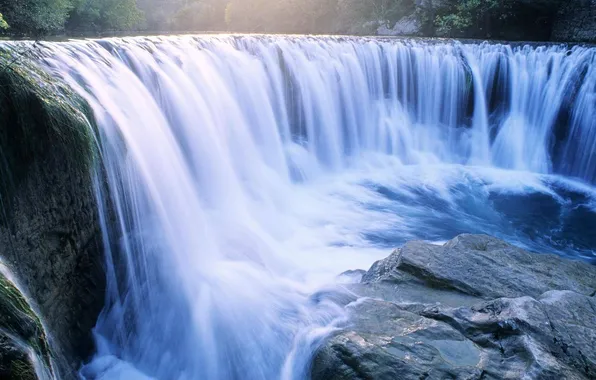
x=24, y=348
x=474, y=308
x=50, y=237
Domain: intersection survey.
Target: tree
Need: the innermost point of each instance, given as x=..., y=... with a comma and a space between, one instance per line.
x=105, y=15
x=469, y=14
x=35, y=17
x=120, y=14
x=507, y=19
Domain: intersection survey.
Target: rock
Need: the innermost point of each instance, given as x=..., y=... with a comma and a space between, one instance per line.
x=475, y=308
x=351, y=276
x=15, y=362
x=49, y=229
x=484, y=267
x=553, y=336
x=24, y=348
x=406, y=26
x=389, y=342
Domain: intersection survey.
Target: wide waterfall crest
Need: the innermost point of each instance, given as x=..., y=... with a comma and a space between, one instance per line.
x=239, y=167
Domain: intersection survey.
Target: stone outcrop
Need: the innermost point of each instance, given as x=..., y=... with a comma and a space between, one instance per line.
x=49, y=232
x=576, y=21
x=24, y=348
x=482, y=267
x=474, y=308
x=406, y=26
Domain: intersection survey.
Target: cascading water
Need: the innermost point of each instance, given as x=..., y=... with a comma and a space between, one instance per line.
x=244, y=172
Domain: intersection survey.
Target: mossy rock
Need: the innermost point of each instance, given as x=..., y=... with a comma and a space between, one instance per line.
x=22, y=336
x=49, y=222
x=38, y=113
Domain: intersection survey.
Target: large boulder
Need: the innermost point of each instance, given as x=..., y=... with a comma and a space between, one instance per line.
x=50, y=236
x=482, y=266
x=474, y=308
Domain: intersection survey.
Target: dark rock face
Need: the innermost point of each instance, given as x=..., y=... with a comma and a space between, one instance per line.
x=576, y=21
x=50, y=237
x=52, y=244
x=475, y=308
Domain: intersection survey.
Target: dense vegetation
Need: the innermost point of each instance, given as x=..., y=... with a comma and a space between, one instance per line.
x=41, y=17
x=456, y=18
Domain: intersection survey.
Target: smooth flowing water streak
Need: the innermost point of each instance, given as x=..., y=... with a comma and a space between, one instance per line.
x=245, y=172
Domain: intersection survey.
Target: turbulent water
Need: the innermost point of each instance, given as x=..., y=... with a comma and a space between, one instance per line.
x=246, y=172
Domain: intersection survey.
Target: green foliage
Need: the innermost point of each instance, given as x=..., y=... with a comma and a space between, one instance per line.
x=449, y=23
x=85, y=15
x=43, y=17
x=35, y=17
x=119, y=14
x=472, y=14
x=105, y=15
x=3, y=23
x=38, y=114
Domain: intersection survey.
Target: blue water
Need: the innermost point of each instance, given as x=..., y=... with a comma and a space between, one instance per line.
x=556, y=217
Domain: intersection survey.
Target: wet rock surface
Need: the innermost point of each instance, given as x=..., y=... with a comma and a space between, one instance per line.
x=24, y=349
x=52, y=244
x=475, y=308
x=50, y=239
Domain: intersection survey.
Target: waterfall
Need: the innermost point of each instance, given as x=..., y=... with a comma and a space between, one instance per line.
x=244, y=172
